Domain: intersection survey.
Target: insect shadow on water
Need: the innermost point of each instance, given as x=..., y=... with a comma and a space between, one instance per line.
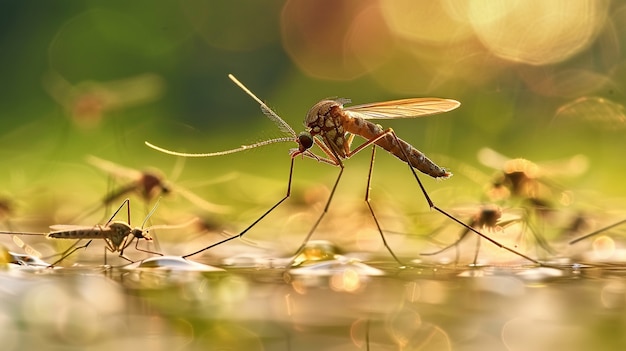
x=117, y=235
x=332, y=128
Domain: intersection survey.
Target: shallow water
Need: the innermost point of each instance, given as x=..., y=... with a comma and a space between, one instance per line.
x=341, y=304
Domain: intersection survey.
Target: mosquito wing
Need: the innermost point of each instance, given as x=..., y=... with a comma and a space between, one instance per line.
x=198, y=201
x=405, y=108
x=114, y=169
x=72, y=228
x=571, y=167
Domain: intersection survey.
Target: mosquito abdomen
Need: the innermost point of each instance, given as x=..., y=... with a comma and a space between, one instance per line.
x=77, y=234
x=395, y=146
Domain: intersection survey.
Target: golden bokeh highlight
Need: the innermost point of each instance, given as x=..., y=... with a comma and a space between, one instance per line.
x=537, y=32
x=336, y=40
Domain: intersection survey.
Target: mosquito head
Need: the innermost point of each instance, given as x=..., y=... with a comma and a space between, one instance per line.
x=305, y=141
x=139, y=233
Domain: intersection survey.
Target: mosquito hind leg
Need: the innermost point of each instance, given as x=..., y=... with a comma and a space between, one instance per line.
x=432, y=205
x=125, y=202
x=65, y=254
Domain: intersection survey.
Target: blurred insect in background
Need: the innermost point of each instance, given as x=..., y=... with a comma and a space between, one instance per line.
x=87, y=102
x=117, y=235
x=532, y=183
x=149, y=185
x=492, y=218
x=332, y=127
x=519, y=182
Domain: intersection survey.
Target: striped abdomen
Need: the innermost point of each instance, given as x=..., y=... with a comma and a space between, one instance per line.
x=82, y=233
x=417, y=159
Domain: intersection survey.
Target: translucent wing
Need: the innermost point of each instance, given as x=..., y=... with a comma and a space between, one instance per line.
x=198, y=201
x=71, y=227
x=405, y=108
x=114, y=169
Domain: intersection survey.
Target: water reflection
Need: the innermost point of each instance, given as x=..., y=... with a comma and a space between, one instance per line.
x=171, y=303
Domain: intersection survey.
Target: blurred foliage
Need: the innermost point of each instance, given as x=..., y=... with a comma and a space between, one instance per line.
x=92, y=80
x=540, y=80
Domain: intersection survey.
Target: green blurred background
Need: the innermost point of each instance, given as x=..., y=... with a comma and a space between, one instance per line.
x=544, y=81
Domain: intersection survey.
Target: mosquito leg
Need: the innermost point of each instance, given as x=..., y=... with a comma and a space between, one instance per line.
x=127, y=203
x=436, y=208
x=369, y=206
x=70, y=251
x=454, y=244
x=146, y=251
x=477, y=249
x=256, y=221
x=319, y=219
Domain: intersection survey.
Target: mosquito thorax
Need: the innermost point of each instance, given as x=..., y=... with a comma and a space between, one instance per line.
x=318, y=116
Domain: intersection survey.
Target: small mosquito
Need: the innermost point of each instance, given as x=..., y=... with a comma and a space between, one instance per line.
x=86, y=103
x=523, y=179
x=117, y=235
x=332, y=127
x=149, y=184
x=492, y=218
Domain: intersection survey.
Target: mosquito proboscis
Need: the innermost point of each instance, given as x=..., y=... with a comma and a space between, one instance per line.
x=332, y=127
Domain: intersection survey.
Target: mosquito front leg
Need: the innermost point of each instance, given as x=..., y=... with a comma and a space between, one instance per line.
x=256, y=221
x=319, y=219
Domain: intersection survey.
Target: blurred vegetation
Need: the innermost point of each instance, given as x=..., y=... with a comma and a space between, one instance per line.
x=539, y=81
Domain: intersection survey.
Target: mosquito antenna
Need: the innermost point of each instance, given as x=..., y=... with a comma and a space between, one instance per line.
x=266, y=110
x=219, y=153
x=151, y=212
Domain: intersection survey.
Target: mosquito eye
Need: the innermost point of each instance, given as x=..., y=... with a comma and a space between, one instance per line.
x=305, y=140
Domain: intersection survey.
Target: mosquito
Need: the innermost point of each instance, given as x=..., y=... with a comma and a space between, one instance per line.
x=332, y=127
x=526, y=180
x=492, y=218
x=117, y=235
x=149, y=184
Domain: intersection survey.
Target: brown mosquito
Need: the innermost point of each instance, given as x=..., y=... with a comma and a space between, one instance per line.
x=332, y=127
x=117, y=235
x=148, y=184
